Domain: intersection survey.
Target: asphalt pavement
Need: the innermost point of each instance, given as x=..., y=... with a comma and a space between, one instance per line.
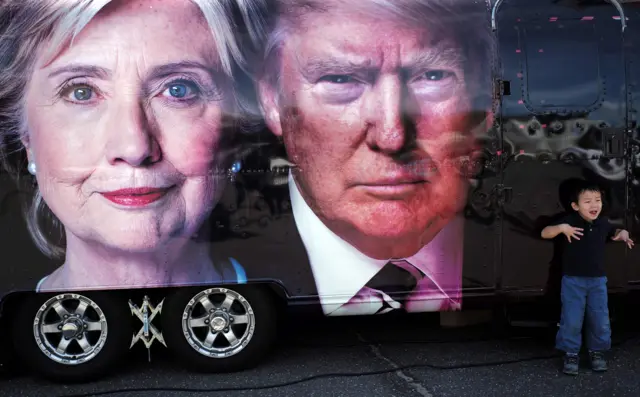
x=370, y=357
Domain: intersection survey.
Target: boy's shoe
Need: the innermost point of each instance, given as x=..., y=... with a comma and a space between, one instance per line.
x=571, y=362
x=598, y=362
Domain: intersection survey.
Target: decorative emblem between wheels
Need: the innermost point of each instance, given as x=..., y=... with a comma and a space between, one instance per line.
x=146, y=314
x=70, y=329
x=218, y=322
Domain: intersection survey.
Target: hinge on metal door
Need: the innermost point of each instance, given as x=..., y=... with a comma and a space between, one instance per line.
x=503, y=87
x=613, y=142
x=504, y=194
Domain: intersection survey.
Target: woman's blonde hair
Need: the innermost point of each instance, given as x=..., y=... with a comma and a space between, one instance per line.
x=27, y=25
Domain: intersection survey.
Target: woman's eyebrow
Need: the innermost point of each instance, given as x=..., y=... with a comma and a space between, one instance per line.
x=85, y=70
x=155, y=73
x=167, y=69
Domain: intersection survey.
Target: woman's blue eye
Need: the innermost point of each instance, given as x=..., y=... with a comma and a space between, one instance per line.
x=178, y=90
x=82, y=94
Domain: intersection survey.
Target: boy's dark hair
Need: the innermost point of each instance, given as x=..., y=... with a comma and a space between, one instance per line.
x=584, y=186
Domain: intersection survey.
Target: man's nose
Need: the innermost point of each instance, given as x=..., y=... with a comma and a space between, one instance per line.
x=130, y=136
x=390, y=121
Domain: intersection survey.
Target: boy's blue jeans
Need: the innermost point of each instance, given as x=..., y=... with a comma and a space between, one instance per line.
x=584, y=297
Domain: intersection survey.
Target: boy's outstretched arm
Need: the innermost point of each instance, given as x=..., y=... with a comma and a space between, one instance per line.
x=552, y=231
x=623, y=235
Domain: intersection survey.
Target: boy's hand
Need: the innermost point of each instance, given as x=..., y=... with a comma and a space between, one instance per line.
x=571, y=231
x=623, y=235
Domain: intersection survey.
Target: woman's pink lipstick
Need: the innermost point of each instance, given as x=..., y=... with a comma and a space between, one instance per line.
x=136, y=197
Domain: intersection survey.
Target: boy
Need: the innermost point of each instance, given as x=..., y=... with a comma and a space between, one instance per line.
x=584, y=283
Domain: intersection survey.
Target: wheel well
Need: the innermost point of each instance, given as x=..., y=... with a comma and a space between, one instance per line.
x=277, y=290
x=279, y=294
x=8, y=308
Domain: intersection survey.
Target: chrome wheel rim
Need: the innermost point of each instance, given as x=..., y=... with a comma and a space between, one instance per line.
x=70, y=329
x=218, y=322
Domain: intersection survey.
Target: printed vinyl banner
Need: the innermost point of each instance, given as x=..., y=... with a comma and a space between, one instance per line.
x=328, y=146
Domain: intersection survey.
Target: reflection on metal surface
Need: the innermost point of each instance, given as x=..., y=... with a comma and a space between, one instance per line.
x=570, y=141
x=280, y=169
x=616, y=3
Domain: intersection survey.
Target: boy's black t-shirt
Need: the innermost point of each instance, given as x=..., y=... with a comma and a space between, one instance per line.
x=585, y=257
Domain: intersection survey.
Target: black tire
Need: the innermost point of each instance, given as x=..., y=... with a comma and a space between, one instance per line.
x=500, y=321
x=114, y=347
x=265, y=311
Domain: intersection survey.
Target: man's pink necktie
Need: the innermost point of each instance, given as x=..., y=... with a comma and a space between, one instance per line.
x=401, y=280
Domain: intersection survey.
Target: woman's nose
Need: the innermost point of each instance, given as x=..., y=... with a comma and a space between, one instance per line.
x=131, y=139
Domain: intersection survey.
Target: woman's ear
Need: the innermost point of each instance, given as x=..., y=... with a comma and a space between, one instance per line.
x=31, y=161
x=26, y=142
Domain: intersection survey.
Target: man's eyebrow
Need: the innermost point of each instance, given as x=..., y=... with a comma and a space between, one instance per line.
x=439, y=56
x=103, y=73
x=318, y=66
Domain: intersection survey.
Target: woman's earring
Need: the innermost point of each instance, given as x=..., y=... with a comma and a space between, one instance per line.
x=235, y=168
x=31, y=168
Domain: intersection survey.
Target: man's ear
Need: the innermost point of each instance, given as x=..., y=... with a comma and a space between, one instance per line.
x=491, y=117
x=268, y=97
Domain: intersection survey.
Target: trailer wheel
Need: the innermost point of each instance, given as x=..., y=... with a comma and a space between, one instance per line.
x=71, y=337
x=220, y=329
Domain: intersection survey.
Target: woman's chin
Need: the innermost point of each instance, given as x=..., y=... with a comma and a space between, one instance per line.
x=133, y=243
